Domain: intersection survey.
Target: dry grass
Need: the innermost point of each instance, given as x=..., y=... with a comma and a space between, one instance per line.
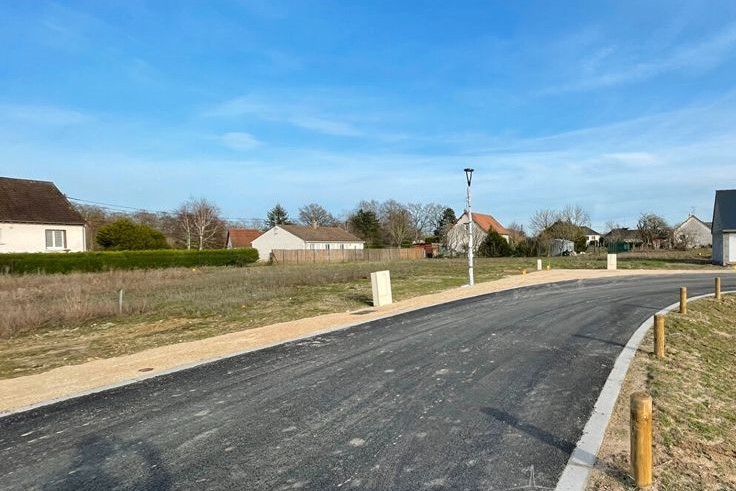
x=52, y=320
x=694, y=405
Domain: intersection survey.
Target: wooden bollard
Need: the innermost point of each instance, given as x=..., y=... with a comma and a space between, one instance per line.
x=659, y=336
x=641, y=439
x=683, y=300
x=718, y=288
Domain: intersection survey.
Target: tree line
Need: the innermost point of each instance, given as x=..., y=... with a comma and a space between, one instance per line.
x=199, y=224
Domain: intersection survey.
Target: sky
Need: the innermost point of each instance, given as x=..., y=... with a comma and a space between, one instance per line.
x=619, y=107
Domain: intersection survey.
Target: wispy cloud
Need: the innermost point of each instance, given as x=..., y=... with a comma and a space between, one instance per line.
x=301, y=115
x=239, y=140
x=610, y=66
x=44, y=115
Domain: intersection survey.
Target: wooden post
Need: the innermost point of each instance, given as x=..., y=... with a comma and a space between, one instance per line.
x=683, y=300
x=641, y=439
x=120, y=301
x=659, y=336
x=718, y=288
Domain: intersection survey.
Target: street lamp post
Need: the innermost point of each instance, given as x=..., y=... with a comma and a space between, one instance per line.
x=471, y=279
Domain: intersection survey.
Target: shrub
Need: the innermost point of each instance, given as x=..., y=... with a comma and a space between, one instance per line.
x=124, y=235
x=494, y=246
x=122, y=260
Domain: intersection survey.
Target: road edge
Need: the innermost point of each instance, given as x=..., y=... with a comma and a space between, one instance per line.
x=579, y=467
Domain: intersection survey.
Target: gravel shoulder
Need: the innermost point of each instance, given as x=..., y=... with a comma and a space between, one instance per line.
x=70, y=381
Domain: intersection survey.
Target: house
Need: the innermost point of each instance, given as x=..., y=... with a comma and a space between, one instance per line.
x=457, y=237
x=622, y=239
x=724, y=227
x=241, y=237
x=296, y=237
x=693, y=232
x=36, y=217
x=591, y=236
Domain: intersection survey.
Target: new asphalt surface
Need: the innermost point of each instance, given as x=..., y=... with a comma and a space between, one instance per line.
x=484, y=393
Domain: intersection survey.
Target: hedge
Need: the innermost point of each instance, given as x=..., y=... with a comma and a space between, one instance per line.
x=23, y=263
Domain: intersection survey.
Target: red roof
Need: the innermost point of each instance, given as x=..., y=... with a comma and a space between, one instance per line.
x=242, y=237
x=487, y=222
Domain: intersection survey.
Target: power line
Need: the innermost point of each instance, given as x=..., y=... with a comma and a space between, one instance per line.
x=123, y=208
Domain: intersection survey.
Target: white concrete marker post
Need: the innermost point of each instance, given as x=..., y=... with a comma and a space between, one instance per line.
x=539, y=265
x=381, y=284
x=611, y=262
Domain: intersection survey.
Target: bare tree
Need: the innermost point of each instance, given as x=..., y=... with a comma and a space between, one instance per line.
x=576, y=215
x=516, y=232
x=424, y=217
x=542, y=220
x=314, y=215
x=653, y=230
x=200, y=223
x=396, y=221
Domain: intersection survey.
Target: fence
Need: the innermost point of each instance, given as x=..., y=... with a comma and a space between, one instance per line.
x=284, y=256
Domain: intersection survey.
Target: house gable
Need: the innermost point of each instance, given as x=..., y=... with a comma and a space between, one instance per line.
x=724, y=211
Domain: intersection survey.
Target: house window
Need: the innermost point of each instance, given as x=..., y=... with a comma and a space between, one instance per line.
x=342, y=246
x=327, y=246
x=55, y=239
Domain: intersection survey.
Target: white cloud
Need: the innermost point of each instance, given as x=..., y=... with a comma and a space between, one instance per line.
x=239, y=140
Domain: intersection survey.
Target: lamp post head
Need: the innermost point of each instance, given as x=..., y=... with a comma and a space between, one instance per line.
x=469, y=175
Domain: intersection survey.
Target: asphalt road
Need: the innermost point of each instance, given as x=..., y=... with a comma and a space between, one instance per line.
x=484, y=393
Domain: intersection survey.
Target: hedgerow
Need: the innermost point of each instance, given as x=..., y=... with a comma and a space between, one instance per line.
x=24, y=263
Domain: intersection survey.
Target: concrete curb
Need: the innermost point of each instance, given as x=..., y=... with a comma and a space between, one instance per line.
x=580, y=465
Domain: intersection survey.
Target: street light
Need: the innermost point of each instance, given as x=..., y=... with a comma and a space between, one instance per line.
x=471, y=280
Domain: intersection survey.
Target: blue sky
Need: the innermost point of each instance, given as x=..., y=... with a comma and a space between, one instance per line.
x=621, y=107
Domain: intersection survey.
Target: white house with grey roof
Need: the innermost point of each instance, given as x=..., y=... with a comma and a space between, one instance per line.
x=295, y=237
x=724, y=227
x=36, y=217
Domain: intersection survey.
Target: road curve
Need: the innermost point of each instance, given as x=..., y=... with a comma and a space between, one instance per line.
x=490, y=392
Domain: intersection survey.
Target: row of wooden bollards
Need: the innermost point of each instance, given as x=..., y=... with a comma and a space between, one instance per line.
x=641, y=406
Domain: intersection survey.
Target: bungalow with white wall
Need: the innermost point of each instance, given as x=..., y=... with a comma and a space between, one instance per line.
x=296, y=237
x=724, y=227
x=36, y=217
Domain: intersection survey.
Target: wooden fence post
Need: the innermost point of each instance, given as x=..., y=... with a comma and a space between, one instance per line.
x=120, y=301
x=659, y=336
x=718, y=288
x=641, y=439
x=683, y=300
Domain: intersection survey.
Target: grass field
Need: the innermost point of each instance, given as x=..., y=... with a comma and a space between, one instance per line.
x=694, y=405
x=53, y=320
